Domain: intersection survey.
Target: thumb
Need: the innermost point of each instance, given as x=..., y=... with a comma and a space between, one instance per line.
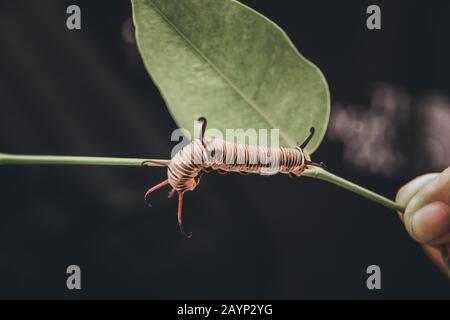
x=409, y=190
x=427, y=214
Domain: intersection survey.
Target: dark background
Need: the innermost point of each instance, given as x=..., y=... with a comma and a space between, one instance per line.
x=87, y=93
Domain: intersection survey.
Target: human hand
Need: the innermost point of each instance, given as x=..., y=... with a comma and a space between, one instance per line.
x=427, y=214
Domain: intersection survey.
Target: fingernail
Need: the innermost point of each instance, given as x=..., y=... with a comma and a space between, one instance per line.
x=431, y=222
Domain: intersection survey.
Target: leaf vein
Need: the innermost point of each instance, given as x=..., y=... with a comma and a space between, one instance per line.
x=249, y=101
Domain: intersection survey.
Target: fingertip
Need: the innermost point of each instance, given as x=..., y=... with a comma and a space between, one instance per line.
x=435, y=255
x=409, y=190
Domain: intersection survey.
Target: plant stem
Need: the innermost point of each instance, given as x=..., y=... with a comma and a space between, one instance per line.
x=321, y=174
x=317, y=173
x=16, y=159
x=324, y=175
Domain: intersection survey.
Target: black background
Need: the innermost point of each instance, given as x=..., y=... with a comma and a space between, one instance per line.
x=87, y=93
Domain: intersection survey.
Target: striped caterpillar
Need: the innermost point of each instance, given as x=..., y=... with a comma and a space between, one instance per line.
x=204, y=154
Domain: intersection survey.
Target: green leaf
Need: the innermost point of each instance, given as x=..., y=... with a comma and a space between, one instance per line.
x=224, y=61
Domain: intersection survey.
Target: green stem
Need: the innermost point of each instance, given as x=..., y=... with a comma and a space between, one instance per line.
x=17, y=159
x=321, y=174
x=329, y=177
x=317, y=173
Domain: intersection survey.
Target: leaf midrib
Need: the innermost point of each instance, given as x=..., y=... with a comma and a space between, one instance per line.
x=249, y=101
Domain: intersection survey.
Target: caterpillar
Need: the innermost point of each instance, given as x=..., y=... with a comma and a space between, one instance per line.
x=201, y=155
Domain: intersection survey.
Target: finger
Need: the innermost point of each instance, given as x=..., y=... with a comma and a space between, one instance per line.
x=435, y=255
x=430, y=224
x=436, y=190
x=409, y=190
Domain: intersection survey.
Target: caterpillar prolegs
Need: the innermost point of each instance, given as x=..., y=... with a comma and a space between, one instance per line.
x=204, y=154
